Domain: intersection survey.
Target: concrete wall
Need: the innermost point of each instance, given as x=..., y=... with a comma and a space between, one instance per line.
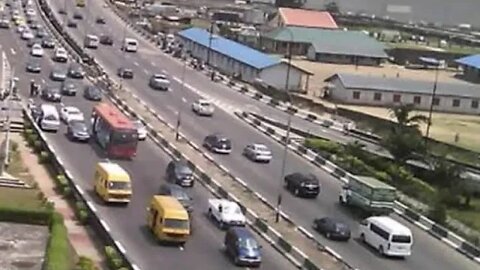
x=275, y=76
x=367, y=97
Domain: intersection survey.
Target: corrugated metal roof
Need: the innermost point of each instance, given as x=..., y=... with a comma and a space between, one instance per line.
x=332, y=41
x=307, y=18
x=471, y=61
x=237, y=51
x=375, y=83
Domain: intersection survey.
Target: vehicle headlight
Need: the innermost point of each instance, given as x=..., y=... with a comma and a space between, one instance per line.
x=303, y=184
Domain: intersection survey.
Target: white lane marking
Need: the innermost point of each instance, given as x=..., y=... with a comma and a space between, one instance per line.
x=184, y=100
x=145, y=70
x=135, y=63
x=164, y=71
x=12, y=51
x=153, y=64
x=181, y=248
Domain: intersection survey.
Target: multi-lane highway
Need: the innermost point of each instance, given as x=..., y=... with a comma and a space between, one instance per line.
x=429, y=253
x=204, y=248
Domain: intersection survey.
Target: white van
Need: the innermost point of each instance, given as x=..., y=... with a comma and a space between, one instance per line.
x=130, y=45
x=49, y=119
x=91, y=41
x=388, y=236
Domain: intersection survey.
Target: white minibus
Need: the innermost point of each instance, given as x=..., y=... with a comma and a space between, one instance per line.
x=49, y=119
x=130, y=45
x=388, y=236
x=91, y=41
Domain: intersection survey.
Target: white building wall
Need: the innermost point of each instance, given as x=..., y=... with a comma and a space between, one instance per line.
x=276, y=75
x=311, y=54
x=339, y=93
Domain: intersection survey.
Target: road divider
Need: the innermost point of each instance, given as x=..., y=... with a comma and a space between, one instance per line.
x=451, y=239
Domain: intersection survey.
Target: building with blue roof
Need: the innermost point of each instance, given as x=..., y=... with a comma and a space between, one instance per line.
x=471, y=67
x=250, y=65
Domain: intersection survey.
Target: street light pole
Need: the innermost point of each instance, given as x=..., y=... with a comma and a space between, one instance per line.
x=287, y=136
x=210, y=38
x=122, y=43
x=430, y=111
x=183, y=100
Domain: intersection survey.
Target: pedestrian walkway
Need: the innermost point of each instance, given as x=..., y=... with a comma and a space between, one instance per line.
x=81, y=237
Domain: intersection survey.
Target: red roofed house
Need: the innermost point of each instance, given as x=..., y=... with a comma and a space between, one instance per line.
x=304, y=18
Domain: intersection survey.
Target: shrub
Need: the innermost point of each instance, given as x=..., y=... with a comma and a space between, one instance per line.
x=81, y=212
x=85, y=263
x=438, y=212
x=31, y=139
x=114, y=260
x=61, y=181
x=28, y=216
x=37, y=145
x=354, y=165
x=66, y=191
x=44, y=157
x=58, y=246
x=323, y=146
x=14, y=146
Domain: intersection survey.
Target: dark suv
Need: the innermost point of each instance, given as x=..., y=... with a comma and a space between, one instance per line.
x=218, y=143
x=178, y=193
x=302, y=185
x=178, y=172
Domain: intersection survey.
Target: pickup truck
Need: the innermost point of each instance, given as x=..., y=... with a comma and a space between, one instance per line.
x=226, y=213
x=368, y=194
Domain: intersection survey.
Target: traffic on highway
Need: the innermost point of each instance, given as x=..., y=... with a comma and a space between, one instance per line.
x=207, y=120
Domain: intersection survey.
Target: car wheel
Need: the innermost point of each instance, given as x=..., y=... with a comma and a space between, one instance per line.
x=380, y=250
x=362, y=238
x=328, y=235
x=236, y=260
x=210, y=215
x=296, y=192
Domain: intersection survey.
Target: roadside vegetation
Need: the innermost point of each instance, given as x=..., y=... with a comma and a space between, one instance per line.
x=441, y=188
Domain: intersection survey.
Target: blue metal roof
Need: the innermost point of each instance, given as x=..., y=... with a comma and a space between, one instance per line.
x=229, y=48
x=471, y=61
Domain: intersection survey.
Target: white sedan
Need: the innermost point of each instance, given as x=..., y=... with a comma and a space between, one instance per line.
x=27, y=34
x=21, y=28
x=141, y=130
x=37, y=50
x=257, y=152
x=70, y=113
x=60, y=55
x=203, y=107
x=226, y=213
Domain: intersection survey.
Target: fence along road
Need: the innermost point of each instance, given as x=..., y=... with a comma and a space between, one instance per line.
x=204, y=249
x=262, y=179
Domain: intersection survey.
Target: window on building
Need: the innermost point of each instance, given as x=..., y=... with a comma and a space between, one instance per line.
x=456, y=103
x=397, y=98
x=475, y=104
x=377, y=96
x=436, y=101
x=417, y=99
x=356, y=94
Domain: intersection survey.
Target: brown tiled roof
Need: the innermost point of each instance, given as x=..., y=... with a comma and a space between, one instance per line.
x=307, y=18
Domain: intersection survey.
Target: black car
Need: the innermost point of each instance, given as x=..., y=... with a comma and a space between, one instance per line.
x=51, y=93
x=33, y=67
x=48, y=43
x=178, y=193
x=77, y=16
x=332, y=228
x=100, y=20
x=106, y=40
x=178, y=172
x=242, y=247
x=125, y=73
x=68, y=88
x=218, y=143
x=33, y=41
x=78, y=131
x=71, y=24
x=76, y=71
x=302, y=184
x=92, y=93
x=62, y=11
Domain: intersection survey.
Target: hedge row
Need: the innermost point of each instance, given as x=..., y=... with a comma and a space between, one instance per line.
x=364, y=163
x=114, y=260
x=57, y=257
x=27, y=216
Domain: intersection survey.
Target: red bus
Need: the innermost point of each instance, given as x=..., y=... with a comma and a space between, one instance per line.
x=114, y=132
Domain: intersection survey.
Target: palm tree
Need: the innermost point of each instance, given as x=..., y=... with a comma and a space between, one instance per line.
x=402, y=113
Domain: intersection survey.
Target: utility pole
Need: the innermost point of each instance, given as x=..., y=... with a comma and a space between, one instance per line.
x=210, y=38
x=180, y=104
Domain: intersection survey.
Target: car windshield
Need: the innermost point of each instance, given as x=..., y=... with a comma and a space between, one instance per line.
x=247, y=243
x=74, y=113
x=341, y=227
x=205, y=103
x=53, y=90
x=93, y=91
x=180, y=195
x=176, y=224
x=117, y=185
x=183, y=170
x=224, y=141
x=122, y=137
x=138, y=124
x=401, y=239
x=262, y=148
x=50, y=118
x=79, y=126
x=160, y=77
x=232, y=210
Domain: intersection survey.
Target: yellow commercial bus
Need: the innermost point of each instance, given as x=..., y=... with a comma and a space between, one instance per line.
x=112, y=183
x=80, y=3
x=168, y=220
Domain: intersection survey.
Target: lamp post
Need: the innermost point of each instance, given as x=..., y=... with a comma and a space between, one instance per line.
x=287, y=136
x=183, y=100
x=122, y=42
x=210, y=38
x=434, y=92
